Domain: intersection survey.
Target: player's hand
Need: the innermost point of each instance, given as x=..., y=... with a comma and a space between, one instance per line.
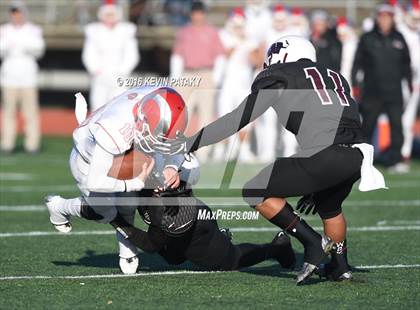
x=146, y=170
x=306, y=204
x=171, y=177
x=172, y=147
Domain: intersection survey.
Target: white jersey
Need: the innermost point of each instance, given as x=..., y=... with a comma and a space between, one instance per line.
x=20, y=47
x=110, y=52
x=111, y=126
x=238, y=70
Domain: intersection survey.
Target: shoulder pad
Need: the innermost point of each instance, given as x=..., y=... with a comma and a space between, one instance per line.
x=268, y=77
x=109, y=139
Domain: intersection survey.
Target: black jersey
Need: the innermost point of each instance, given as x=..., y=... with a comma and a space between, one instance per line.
x=311, y=101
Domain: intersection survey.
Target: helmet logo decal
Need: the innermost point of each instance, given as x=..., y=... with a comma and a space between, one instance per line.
x=275, y=48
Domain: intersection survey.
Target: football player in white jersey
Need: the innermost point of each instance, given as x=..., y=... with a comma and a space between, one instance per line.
x=241, y=55
x=136, y=118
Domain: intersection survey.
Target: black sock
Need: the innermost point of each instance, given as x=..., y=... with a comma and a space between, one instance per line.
x=290, y=222
x=339, y=263
x=251, y=254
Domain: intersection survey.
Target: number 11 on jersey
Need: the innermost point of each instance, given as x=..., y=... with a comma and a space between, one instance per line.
x=320, y=87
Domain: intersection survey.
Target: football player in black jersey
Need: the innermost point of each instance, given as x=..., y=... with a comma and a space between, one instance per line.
x=314, y=103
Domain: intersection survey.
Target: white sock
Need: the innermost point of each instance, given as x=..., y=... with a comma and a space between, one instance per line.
x=127, y=249
x=71, y=207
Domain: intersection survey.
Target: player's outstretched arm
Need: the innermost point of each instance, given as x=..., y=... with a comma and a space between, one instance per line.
x=254, y=105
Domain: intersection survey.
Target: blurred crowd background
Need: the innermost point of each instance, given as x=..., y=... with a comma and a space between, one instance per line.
x=52, y=49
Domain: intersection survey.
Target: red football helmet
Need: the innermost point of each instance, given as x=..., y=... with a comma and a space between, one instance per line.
x=160, y=116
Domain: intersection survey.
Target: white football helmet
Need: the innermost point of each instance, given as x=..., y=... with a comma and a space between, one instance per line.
x=289, y=49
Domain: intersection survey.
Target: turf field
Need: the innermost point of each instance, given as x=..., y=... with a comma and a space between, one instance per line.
x=42, y=269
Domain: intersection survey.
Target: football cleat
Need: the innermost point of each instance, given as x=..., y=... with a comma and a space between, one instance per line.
x=129, y=265
x=286, y=256
x=334, y=274
x=60, y=221
x=227, y=233
x=309, y=268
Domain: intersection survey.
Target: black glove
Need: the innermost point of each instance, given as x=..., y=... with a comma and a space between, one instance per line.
x=172, y=147
x=306, y=204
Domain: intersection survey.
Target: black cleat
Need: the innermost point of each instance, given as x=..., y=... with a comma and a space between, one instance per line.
x=286, y=255
x=313, y=259
x=334, y=273
x=227, y=233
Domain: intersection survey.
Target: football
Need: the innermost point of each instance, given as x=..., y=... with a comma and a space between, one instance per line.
x=128, y=165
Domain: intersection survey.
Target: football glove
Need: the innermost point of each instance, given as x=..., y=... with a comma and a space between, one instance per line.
x=306, y=204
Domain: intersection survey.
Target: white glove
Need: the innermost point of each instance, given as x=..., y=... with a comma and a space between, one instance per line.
x=134, y=185
x=81, y=108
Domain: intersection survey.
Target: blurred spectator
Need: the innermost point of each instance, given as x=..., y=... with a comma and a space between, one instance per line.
x=383, y=56
x=241, y=56
x=408, y=24
x=348, y=38
x=258, y=19
x=279, y=26
x=177, y=11
x=21, y=44
x=298, y=24
x=110, y=52
x=266, y=129
x=198, y=53
x=328, y=47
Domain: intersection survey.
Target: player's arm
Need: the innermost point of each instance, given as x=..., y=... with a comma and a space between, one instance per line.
x=99, y=181
x=254, y=105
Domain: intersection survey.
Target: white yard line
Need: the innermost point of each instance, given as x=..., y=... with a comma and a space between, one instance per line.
x=170, y=273
x=72, y=187
x=40, y=188
x=15, y=176
x=234, y=203
x=23, y=208
x=233, y=229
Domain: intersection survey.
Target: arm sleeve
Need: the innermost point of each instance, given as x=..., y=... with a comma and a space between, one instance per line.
x=357, y=62
x=254, y=105
x=98, y=179
x=174, y=161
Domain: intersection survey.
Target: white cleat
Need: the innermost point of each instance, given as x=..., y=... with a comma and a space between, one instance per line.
x=129, y=265
x=60, y=221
